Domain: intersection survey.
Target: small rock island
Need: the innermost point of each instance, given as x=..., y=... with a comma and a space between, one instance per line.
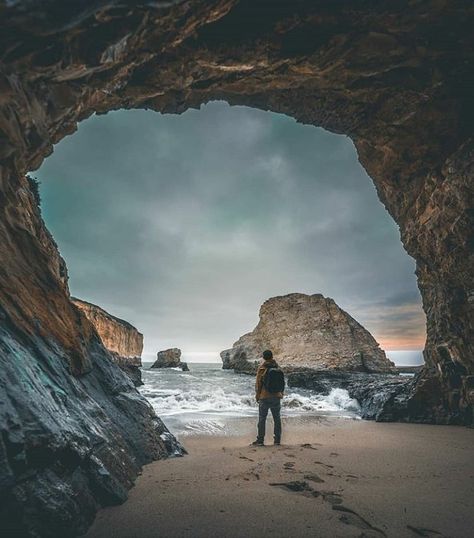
x=308, y=332
x=170, y=358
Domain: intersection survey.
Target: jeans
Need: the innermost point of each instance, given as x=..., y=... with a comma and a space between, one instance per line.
x=274, y=404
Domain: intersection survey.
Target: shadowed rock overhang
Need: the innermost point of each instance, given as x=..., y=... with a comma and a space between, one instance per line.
x=397, y=77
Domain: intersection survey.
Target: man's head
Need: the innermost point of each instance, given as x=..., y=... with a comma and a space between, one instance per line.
x=267, y=355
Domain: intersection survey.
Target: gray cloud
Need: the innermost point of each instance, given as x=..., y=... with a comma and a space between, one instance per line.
x=183, y=225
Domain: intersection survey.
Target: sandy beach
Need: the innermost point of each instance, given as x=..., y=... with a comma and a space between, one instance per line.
x=330, y=478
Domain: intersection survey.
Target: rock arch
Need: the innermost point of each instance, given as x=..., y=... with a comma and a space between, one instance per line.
x=395, y=77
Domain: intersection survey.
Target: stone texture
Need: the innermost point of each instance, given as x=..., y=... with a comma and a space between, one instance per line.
x=75, y=431
x=394, y=76
x=168, y=358
x=308, y=332
x=120, y=337
x=116, y=334
x=383, y=397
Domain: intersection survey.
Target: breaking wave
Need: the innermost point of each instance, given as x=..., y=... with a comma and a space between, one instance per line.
x=208, y=391
x=219, y=401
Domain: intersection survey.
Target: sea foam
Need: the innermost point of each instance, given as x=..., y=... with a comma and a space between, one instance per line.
x=208, y=391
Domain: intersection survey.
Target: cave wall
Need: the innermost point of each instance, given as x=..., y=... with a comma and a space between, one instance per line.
x=397, y=77
x=74, y=430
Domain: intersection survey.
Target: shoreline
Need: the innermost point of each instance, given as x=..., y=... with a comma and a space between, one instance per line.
x=330, y=477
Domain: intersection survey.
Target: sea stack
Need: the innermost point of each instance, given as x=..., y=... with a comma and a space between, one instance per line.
x=170, y=358
x=308, y=332
x=122, y=339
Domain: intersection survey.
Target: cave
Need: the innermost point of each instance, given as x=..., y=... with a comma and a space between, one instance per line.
x=397, y=78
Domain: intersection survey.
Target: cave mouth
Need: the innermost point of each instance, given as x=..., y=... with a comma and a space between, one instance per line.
x=394, y=77
x=175, y=213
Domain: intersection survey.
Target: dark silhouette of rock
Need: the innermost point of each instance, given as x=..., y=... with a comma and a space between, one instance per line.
x=384, y=398
x=184, y=367
x=132, y=366
x=396, y=78
x=408, y=369
x=307, y=332
x=120, y=337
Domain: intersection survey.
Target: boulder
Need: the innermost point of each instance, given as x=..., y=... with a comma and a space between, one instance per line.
x=374, y=392
x=168, y=358
x=308, y=332
x=383, y=397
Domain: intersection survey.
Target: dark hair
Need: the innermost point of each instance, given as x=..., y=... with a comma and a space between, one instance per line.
x=267, y=355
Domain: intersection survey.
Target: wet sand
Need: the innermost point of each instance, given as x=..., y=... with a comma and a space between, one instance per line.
x=330, y=478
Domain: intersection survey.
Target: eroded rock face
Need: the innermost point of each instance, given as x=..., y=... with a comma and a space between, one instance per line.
x=75, y=431
x=116, y=334
x=168, y=358
x=394, y=76
x=308, y=332
x=121, y=338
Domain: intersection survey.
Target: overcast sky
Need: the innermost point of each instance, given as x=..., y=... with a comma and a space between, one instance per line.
x=184, y=225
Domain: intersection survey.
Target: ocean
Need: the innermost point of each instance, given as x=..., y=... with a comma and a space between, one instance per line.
x=208, y=400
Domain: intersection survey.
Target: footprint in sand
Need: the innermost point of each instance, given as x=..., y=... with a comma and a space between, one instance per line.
x=421, y=531
x=297, y=485
x=324, y=464
x=288, y=465
x=302, y=487
x=249, y=476
x=308, y=445
x=245, y=458
x=349, y=517
x=332, y=497
x=352, y=479
x=334, y=454
x=314, y=478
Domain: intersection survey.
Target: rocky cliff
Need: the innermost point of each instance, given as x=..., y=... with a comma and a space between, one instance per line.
x=308, y=332
x=116, y=334
x=396, y=77
x=120, y=337
x=74, y=430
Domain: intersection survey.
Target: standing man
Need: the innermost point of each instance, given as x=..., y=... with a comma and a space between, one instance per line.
x=269, y=387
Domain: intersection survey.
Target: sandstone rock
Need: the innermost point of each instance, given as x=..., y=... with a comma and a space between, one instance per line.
x=308, y=332
x=120, y=337
x=116, y=334
x=169, y=358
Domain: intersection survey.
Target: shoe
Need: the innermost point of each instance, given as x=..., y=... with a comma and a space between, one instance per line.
x=276, y=443
x=257, y=443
